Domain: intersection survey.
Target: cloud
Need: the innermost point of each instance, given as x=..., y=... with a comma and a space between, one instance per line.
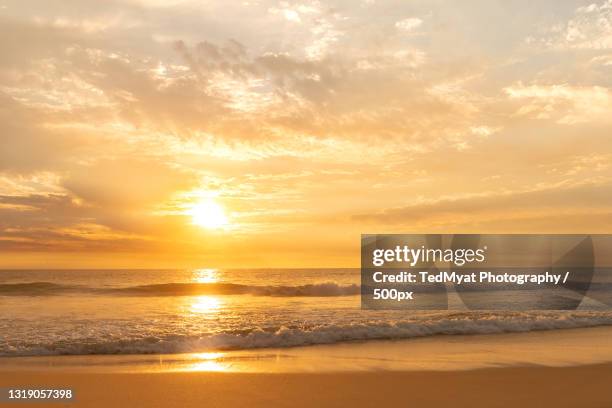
x=565, y=103
x=27, y=144
x=409, y=24
x=571, y=199
x=127, y=182
x=590, y=27
x=115, y=116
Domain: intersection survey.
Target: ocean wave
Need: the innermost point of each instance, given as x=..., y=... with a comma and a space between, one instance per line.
x=468, y=323
x=34, y=289
x=184, y=289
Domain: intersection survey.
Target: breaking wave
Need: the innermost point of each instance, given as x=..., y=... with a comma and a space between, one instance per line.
x=287, y=336
x=183, y=289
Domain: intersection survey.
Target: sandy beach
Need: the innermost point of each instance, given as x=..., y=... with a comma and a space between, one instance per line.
x=586, y=386
x=566, y=368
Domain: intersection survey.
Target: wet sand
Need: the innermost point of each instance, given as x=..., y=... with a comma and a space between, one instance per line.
x=566, y=368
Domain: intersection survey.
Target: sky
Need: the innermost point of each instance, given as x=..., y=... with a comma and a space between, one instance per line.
x=305, y=124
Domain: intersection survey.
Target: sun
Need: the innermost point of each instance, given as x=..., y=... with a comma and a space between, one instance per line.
x=208, y=214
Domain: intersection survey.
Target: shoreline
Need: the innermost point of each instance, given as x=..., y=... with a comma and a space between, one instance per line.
x=561, y=368
x=550, y=348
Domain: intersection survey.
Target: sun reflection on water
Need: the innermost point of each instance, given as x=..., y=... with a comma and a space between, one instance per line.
x=206, y=304
x=206, y=275
x=208, y=362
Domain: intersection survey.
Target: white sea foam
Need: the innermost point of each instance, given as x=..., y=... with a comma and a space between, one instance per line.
x=471, y=323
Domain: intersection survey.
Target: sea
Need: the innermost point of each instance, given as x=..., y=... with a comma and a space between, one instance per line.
x=98, y=312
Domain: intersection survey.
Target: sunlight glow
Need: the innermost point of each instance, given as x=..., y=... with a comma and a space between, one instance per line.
x=208, y=362
x=208, y=214
x=206, y=305
x=206, y=275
